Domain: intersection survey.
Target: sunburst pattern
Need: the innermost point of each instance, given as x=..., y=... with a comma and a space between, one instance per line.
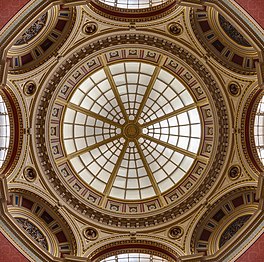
x=133, y=4
x=131, y=130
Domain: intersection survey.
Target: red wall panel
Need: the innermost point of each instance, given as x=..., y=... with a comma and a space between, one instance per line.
x=8, y=8
x=255, y=253
x=255, y=8
x=8, y=253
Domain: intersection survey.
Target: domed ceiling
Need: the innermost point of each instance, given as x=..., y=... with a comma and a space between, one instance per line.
x=132, y=129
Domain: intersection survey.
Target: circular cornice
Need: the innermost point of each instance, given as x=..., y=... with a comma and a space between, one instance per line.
x=16, y=131
x=113, y=218
x=247, y=129
x=133, y=15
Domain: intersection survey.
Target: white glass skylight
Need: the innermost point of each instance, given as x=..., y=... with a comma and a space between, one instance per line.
x=4, y=131
x=134, y=257
x=133, y=4
x=131, y=130
x=259, y=130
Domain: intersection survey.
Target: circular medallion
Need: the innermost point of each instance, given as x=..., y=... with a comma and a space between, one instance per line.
x=131, y=130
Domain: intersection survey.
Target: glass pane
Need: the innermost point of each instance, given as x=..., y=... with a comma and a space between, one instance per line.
x=134, y=257
x=129, y=133
x=133, y=4
x=4, y=131
x=259, y=130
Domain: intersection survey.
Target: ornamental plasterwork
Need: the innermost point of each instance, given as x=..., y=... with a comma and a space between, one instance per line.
x=41, y=47
x=33, y=231
x=218, y=43
x=59, y=235
x=33, y=30
x=208, y=114
x=172, y=220
x=219, y=212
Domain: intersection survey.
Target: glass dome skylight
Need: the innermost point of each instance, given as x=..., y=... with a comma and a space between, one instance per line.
x=259, y=130
x=131, y=130
x=134, y=257
x=4, y=131
x=133, y=4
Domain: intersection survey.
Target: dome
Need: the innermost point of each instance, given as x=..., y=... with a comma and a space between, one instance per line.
x=131, y=131
x=4, y=131
x=133, y=4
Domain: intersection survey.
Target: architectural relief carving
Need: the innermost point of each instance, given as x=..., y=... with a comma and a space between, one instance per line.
x=30, y=174
x=232, y=229
x=230, y=54
x=90, y=233
x=33, y=30
x=33, y=231
x=90, y=28
x=232, y=32
x=29, y=88
x=175, y=28
x=234, y=89
x=234, y=172
x=175, y=232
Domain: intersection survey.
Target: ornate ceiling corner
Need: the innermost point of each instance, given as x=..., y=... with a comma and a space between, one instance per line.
x=34, y=213
x=35, y=48
x=209, y=27
x=221, y=216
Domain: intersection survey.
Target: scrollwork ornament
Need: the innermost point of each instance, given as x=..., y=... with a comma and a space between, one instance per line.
x=29, y=88
x=175, y=29
x=175, y=232
x=30, y=174
x=90, y=28
x=90, y=233
x=234, y=172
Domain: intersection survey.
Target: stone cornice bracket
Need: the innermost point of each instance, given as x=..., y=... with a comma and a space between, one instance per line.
x=260, y=191
x=4, y=195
